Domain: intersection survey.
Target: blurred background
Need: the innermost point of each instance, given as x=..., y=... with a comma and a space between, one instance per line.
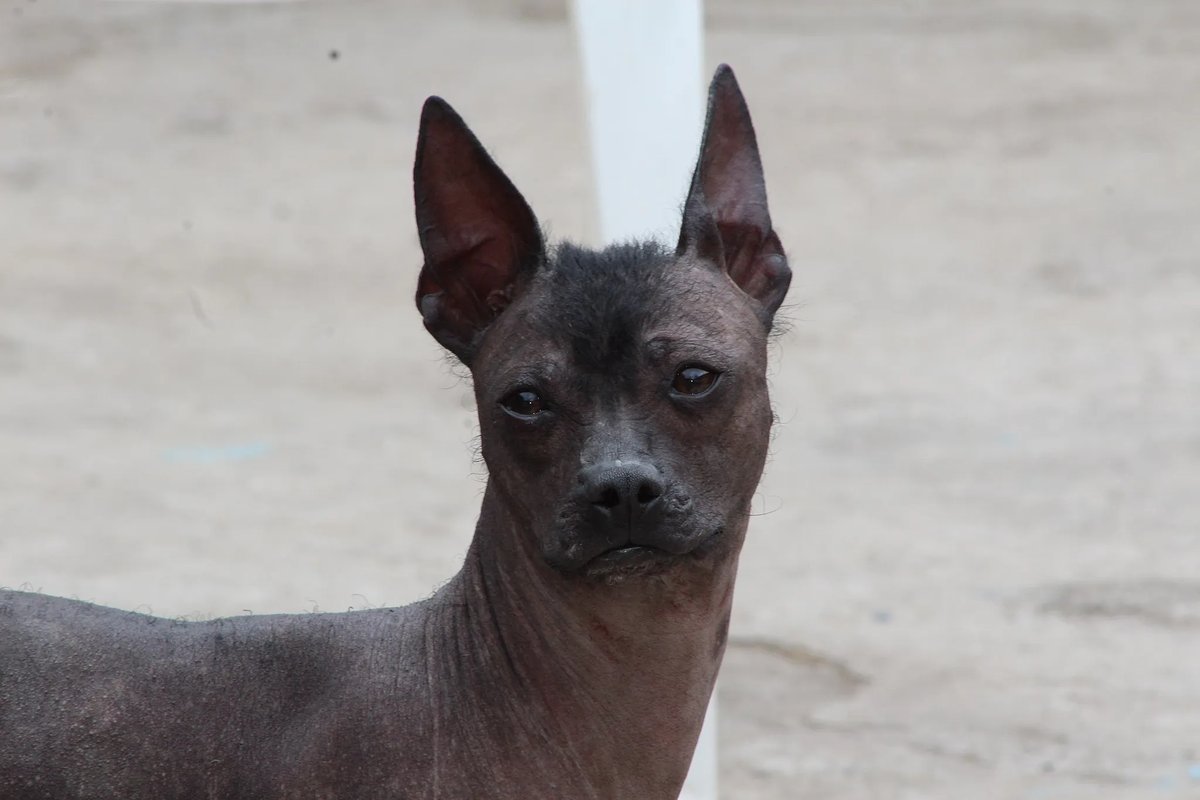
x=976, y=572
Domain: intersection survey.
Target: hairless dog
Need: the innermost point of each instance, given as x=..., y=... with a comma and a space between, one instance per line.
x=623, y=408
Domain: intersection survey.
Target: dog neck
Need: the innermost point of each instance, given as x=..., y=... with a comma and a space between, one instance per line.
x=609, y=680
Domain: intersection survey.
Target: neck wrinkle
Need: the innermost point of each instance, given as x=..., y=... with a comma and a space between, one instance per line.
x=530, y=627
x=615, y=679
x=520, y=672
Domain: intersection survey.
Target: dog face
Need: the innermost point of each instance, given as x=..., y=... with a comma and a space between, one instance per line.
x=622, y=393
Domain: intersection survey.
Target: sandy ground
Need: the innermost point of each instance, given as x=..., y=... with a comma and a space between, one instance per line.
x=977, y=569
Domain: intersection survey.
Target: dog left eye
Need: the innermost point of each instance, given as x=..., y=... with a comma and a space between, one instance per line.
x=693, y=379
x=524, y=403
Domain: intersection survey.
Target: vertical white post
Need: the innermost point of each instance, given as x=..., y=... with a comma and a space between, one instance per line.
x=643, y=71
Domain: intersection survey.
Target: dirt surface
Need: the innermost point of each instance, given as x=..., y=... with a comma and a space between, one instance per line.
x=977, y=569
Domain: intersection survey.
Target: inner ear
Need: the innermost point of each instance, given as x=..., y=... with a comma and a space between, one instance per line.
x=479, y=237
x=726, y=220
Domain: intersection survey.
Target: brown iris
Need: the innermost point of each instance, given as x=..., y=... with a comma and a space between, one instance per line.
x=524, y=403
x=694, y=379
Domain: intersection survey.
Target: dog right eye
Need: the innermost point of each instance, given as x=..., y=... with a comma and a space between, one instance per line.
x=694, y=380
x=524, y=404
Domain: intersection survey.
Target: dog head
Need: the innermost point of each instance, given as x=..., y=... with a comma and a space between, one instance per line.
x=622, y=393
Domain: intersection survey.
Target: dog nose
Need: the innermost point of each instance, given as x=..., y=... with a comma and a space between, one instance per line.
x=623, y=490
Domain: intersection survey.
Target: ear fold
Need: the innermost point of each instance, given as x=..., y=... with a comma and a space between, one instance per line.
x=478, y=234
x=725, y=219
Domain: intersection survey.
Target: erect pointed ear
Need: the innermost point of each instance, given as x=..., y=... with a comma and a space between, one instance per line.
x=725, y=219
x=479, y=236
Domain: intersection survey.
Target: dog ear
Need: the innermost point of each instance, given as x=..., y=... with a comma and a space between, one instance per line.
x=478, y=234
x=725, y=218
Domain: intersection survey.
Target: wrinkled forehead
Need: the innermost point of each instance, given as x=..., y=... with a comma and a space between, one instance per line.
x=610, y=311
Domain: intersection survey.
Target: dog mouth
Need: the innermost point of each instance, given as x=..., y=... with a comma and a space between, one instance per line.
x=630, y=552
x=630, y=559
x=627, y=561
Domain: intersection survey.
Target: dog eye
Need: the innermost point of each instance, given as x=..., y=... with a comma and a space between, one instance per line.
x=694, y=380
x=524, y=403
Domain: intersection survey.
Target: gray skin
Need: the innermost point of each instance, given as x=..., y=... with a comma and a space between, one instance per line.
x=574, y=654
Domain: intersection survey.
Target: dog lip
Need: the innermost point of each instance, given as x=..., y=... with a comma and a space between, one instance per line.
x=630, y=549
x=628, y=559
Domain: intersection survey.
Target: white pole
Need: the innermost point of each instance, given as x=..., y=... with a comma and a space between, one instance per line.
x=642, y=69
x=643, y=72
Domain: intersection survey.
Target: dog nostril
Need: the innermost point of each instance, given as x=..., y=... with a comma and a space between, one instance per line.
x=609, y=498
x=648, y=492
x=622, y=489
